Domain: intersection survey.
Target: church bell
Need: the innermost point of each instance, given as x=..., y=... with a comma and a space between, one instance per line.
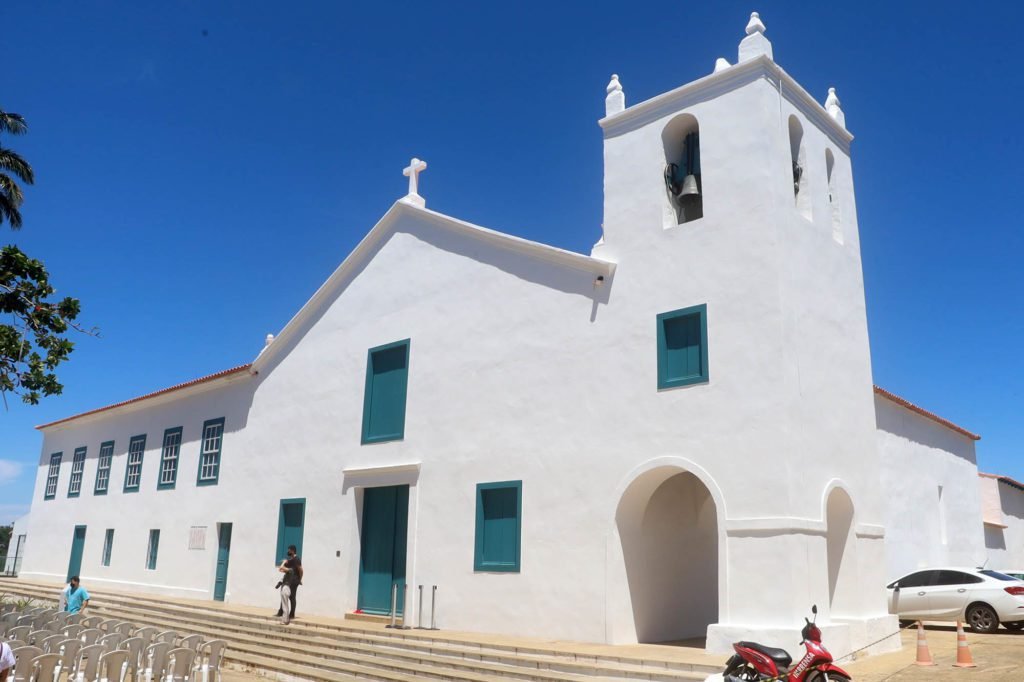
x=689, y=186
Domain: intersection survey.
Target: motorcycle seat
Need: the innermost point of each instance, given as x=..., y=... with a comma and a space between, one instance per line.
x=780, y=656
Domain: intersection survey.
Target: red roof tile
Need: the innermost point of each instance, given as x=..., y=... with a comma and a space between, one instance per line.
x=177, y=387
x=1005, y=479
x=925, y=413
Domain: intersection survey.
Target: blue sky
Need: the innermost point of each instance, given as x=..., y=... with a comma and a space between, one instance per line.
x=203, y=167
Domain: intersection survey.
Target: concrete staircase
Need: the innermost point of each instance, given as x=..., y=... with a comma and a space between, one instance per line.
x=330, y=650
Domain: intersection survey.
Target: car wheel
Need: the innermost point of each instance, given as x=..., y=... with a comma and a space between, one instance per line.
x=1019, y=625
x=982, y=618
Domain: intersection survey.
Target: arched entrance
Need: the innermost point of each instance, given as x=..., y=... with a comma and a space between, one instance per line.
x=668, y=526
x=842, y=558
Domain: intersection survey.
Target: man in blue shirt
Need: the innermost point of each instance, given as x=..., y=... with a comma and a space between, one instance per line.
x=78, y=597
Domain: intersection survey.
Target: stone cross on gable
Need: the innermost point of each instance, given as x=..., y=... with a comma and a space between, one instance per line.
x=413, y=173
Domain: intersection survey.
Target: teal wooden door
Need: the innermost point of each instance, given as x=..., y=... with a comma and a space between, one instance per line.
x=77, y=547
x=220, y=582
x=290, y=527
x=382, y=547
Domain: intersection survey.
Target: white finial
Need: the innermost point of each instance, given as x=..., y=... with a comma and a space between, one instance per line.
x=833, y=108
x=413, y=173
x=755, y=44
x=616, y=99
x=721, y=63
x=269, y=340
x=755, y=25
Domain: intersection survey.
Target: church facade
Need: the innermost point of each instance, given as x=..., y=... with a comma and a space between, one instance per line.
x=675, y=436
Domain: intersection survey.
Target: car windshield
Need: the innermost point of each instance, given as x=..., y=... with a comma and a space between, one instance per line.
x=998, y=576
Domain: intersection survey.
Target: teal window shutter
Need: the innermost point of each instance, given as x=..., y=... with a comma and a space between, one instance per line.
x=209, y=452
x=387, y=382
x=133, y=470
x=683, y=347
x=169, y=459
x=103, y=468
x=499, y=516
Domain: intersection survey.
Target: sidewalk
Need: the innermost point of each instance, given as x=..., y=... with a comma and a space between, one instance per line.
x=999, y=657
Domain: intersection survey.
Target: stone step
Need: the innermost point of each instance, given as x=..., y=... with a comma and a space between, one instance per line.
x=395, y=652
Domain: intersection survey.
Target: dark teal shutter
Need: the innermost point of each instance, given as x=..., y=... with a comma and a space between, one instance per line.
x=498, y=526
x=682, y=347
x=387, y=380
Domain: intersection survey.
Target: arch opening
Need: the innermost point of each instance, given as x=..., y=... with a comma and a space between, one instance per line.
x=684, y=185
x=798, y=157
x=668, y=526
x=841, y=549
x=833, y=196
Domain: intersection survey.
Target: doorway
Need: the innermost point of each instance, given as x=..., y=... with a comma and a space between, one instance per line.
x=383, y=547
x=220, y=581
x=77, y=548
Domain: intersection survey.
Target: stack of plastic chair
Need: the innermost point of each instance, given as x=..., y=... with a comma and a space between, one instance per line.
x=155, y=657
x=211, y=655
x=87, y=664
x=180, y=667
x=133, y=645
x=73, y=630
x=44, y=668
x=112, y=665
x=23, y=668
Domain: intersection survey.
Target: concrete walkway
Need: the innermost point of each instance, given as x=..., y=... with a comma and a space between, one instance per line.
x=999, y=657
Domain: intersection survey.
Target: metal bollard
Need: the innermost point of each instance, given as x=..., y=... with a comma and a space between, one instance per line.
x=419, y=611
x=433, y=604
x=405, y=607
x=394, y=604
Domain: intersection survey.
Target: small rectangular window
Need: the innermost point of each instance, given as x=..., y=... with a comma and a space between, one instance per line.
x=169, y=459
x=108, y=546
x=209, y=452
x=103, y=468
x=197, y=537
x=683, y=347
x=387, y=382
x=77, y=470
x=133, y=473
x=154, y=547
x=52, y=475
x=499, y=516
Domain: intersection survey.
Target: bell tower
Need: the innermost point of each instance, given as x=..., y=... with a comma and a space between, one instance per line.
x=733, y=194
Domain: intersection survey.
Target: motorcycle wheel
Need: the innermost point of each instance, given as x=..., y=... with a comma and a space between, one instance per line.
x=747, y=673
x=818, y=676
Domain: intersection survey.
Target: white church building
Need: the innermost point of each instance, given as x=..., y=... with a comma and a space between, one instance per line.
x=675, y=436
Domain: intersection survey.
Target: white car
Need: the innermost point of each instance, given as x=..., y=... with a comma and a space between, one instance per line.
x=1014, y=573
x=981, y=598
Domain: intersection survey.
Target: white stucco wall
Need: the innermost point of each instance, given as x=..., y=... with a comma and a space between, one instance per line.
x=925, y=528
x=521, y=368
x=1003, y=504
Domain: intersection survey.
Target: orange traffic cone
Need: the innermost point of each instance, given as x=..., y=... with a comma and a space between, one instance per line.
x=963, y=652
x=924, y=656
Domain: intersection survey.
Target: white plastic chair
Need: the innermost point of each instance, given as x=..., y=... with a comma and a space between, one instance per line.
x=211, y=657
x=112, y=665
x=155, y=658
x=87, y=664
x=181, y=661
x=23, y=667
x=90, y=636
x=44, y=668
x=133, y=645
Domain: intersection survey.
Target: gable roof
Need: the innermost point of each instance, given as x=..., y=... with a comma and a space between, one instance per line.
x=209, y=378
x=925, y=413
x=386, y=226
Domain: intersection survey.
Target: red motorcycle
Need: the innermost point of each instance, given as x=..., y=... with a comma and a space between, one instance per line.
x=754, y=662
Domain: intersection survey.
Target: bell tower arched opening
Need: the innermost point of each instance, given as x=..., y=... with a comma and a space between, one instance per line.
x=798, y=157
x=683, y=184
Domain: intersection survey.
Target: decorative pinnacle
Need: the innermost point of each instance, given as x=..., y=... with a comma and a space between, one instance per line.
x=755, y=25
x=832, y=100
x=614, y=85
x=721, y=63
x=615, y=101
x=269, y=340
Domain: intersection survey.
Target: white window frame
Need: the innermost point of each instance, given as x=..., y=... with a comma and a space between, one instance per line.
x=169, y=456
x=53, y=476
x=77, y=472
x=103, y=465
x=133, y=471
